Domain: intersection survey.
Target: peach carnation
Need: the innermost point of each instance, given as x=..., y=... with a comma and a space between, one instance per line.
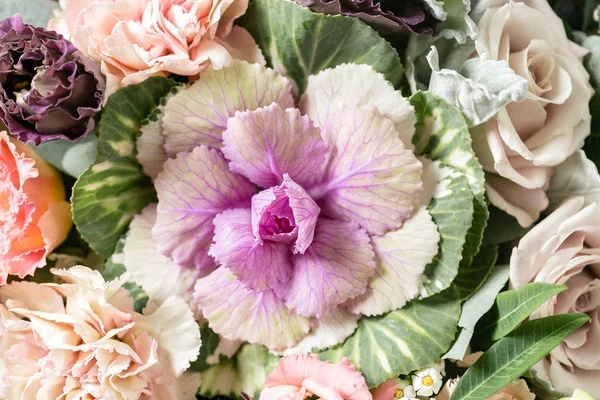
x=136, y=39
x=82, y=340
x=34, y=215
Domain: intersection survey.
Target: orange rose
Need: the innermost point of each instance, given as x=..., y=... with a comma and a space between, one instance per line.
x=34, y=215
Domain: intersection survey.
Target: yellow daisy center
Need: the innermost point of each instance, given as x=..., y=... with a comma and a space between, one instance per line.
x=427, y=380
x=398, y=393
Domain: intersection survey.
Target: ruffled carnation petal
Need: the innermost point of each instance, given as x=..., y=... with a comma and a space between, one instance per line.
x=266, y=143
x=192, y=189
x=323, y=379
x=352, y=85
x=198, y=114
x=173, y=326
x=158, y=275
x=260, y=266
x=237, y=312
x=336, y=267
x=371, y=179
x=401, y=259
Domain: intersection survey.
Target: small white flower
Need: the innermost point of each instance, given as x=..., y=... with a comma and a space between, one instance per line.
x=428, y=381
x=440, y=364
x=405, y=391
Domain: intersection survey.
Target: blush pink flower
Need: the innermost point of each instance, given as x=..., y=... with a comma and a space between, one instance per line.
x=136, y=39
x=518, y=390
x=82, y=340
x=34, y=215
x=297, y=377
x=564, y=249
x=519, y=147
x=298, y=220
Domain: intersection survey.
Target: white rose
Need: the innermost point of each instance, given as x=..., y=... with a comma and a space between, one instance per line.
x=521, y=144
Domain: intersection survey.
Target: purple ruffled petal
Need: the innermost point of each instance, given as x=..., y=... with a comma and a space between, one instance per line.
x=264, y=144
x=198, y=115
x=372, y=179
x=238, y=313
x=259, y=266
x=386, y=16
x=285, y=213
x=336, y=267
x=48, y=89
x=192, y=189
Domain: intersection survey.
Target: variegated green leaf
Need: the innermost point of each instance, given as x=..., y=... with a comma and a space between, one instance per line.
x=246, y=373
x=114, y=189
x=401, y=341
x=442, y=135
x=298, y=42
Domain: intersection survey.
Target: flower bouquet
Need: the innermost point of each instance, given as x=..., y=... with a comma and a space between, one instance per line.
x=299, y=199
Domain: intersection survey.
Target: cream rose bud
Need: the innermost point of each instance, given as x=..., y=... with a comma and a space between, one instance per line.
x=565, y=249
x=521, y=144
x=517, y=390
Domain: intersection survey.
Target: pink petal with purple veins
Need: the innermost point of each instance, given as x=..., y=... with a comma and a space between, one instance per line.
x=198, y=114
x=259, y=266
x=336, y=267
x=401, y=259
x=354, y=85
x=264, y=144
x=236, y=312
x=192, y=189
x=371, y=178
x=285, y=213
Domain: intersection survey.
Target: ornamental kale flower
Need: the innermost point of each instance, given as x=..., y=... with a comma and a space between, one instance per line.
x=48, y=89
x=297, y=220
x=385, y=16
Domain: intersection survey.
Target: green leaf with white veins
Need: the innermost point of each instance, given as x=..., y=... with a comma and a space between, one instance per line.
x=442, y=135
x=401, y=341
x=480, y=89
x=514, y=354
x=114, y=189
x=298, y=42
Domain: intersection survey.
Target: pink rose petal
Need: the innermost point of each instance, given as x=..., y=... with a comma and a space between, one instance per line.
x=336, y=267
x=266, y=143
x=260, y=266
x=236, y=312
x=371, y=179
x=192, y=189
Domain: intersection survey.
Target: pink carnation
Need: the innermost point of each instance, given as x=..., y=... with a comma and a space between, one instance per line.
x=300, y=376
x=298, y=220
x=82, y=339
x=136, y=39
x=34, y=214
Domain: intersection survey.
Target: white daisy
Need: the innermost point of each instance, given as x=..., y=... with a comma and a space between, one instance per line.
x=405, y=391
x=428, y=381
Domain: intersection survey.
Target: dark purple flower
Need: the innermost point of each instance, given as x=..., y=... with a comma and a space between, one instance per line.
x=386, y=16
x=48, y=89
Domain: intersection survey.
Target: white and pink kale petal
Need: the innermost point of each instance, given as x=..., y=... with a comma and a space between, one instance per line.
x=259, y=266
x=192, y=189
x=236, y=312
x=355, y=85
x=267, y=143
x=371, y=178
x=336, y=267
x=285, y=213
x=198, y=114
x=402, y=256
